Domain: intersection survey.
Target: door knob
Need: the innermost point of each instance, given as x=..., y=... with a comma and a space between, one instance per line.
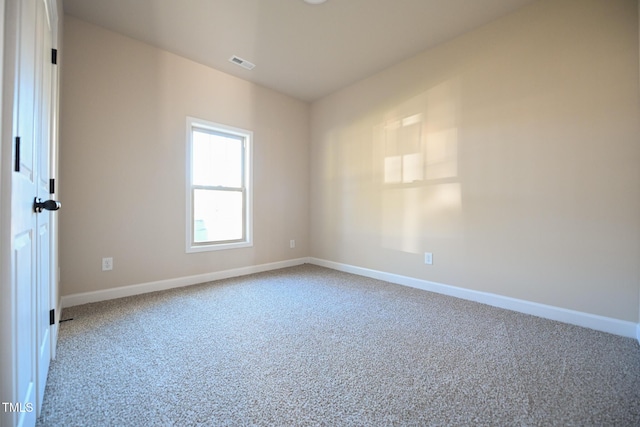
x=50, y=205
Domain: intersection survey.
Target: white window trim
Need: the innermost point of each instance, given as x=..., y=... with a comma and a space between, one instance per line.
x=193, y=122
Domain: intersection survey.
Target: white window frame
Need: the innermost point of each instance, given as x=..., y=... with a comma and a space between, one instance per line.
x=195, y=123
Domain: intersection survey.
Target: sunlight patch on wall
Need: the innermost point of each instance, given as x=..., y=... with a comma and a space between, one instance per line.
x=416, y=153
x=412, y=216
x=442, y=154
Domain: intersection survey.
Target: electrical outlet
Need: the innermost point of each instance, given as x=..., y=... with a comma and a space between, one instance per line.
x=107, y=264
x=428, y=258
x=292, y=243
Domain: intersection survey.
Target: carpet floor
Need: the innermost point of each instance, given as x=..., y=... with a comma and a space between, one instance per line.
x=307, y=346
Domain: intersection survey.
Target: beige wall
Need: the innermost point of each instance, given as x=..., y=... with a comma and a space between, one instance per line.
x=519, y=143
x=123, y=123
x=520, y=146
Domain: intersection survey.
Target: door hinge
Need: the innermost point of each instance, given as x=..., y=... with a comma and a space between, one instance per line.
x=17, y=164
x=52, y=186
x=54, y=56
x=52, y=316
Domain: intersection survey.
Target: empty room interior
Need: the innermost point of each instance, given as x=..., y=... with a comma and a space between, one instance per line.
x=350, y=212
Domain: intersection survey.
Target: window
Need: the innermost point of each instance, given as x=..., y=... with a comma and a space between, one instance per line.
x=219, y=186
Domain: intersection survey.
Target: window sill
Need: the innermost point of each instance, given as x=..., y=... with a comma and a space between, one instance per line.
x=218, y=247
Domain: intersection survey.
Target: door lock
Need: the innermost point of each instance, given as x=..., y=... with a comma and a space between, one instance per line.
x=50, y=205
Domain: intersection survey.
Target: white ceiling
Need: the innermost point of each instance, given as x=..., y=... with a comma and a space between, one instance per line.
x=306, y=51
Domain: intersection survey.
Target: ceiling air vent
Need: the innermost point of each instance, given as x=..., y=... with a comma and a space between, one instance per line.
x=242, y=62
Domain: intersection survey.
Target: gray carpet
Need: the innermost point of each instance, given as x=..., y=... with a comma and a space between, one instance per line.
x=311, y=346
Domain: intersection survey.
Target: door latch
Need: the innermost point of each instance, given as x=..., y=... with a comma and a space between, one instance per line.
x=50, y=205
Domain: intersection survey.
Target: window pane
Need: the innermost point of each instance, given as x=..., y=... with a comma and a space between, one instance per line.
x=217, y=160
x=218, y=216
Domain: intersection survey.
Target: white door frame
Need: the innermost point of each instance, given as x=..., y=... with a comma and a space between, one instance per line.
x=6, y=315
x=55, y=12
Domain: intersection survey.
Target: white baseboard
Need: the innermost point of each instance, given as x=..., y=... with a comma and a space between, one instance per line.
x=161, y=285
x=592, y=321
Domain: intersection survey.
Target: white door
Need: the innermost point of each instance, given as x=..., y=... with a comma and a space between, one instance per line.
x=31, y=231
x=24, y=222
x=43, y=219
